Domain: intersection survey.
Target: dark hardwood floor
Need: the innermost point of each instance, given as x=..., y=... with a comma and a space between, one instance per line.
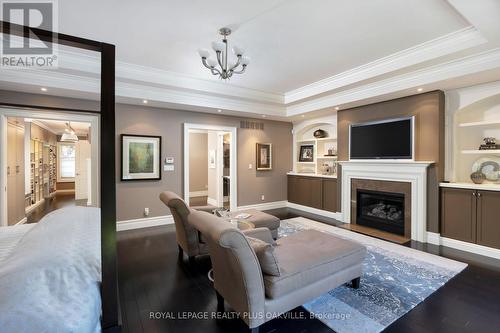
x=59, y=200
x=152, y=278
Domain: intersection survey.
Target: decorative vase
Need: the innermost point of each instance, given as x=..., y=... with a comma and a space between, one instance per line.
x=320, y=134
x=477, y=177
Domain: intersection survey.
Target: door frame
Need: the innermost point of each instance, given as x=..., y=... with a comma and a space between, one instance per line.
x=93, y=119
x=233, y=196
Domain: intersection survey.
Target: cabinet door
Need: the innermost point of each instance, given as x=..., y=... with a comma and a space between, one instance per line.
x=292, y=189
x=315, y=193
x=458, y=214
x=330, y=195
x=488, y=218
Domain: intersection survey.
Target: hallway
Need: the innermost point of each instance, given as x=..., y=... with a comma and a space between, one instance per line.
x=59, y=200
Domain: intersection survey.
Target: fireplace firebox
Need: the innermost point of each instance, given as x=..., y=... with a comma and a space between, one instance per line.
x=381, y=210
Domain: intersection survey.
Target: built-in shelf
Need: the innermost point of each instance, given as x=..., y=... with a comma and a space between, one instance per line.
x=305, y=174
x=307, y=163
x=307, y=141
x=480, y=123
x=326, y=157
x=481, y=152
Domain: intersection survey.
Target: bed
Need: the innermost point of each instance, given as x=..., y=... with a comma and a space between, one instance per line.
x=50, y=273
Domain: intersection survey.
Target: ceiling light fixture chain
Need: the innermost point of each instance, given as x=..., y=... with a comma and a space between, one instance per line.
x=224, y=69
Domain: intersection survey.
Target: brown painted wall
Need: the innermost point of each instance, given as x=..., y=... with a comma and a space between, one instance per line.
x=133, y=197
x=428, y=110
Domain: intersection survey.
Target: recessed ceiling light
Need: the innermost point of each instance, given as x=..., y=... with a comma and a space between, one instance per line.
x=302, y=116
x=145, y=101
x=420, y=89
x=263, y=116
x=219, y=110
x=337, y=108
x=43, y=89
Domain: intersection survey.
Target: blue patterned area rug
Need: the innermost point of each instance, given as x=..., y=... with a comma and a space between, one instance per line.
x=395, y=279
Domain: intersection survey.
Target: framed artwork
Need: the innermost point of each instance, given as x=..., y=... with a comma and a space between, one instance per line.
x=140, y=157
x=211, y=159
x=306, y=153
x=264, y=160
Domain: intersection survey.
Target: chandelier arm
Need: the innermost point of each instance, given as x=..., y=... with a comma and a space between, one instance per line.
x=237, y=63
x=219, y=58
x=215, y=71
x=241, y=71
x=204, y=61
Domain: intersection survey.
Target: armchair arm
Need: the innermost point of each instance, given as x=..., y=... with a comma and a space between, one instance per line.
x=264, y=234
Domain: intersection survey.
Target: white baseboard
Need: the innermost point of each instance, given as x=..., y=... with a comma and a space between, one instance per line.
x=436, y=239
x=212, y=202
x=433, y=238
x=195, y=194
x=144, y=222
x=337, y=215
x=265, y=206
x=23, y=221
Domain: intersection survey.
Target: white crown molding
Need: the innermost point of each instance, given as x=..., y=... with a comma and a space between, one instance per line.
x=77, y=77
x=441, y=46
x=483, y=61
x=125, y=72
x=91, y=86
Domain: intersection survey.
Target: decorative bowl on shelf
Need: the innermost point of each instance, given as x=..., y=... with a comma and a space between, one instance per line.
x=318, y=134
x=489, y=166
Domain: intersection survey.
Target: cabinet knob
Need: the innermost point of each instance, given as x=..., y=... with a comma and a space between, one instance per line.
x=479, y=194
x=474, y=193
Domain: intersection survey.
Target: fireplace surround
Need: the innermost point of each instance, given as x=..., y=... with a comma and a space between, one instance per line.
x=413, y=173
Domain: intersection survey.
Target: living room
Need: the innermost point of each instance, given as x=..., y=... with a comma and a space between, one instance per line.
x=273, y=166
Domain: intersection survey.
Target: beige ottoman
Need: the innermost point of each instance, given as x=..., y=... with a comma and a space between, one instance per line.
x=261, y=220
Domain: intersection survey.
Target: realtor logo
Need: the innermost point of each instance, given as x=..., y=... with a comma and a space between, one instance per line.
x=29, y=50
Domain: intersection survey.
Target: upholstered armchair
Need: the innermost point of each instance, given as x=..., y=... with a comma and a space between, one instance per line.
x=188, y=238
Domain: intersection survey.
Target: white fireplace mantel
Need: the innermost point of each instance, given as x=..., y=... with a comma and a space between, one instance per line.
x=414, y=172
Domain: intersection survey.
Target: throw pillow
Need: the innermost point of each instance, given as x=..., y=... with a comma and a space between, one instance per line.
x=265, y=254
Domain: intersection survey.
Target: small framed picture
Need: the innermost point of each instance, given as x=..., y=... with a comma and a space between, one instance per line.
x=306, y=153
x=140, y=157
x=211, y=159
x=264, y=160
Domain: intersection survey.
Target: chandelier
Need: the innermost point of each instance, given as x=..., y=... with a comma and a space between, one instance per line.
x=221, y=66
x=69, y=134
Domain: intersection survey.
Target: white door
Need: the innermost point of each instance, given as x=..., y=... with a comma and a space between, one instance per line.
x=81, y=173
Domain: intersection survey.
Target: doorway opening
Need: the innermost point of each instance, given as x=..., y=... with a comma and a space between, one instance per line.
x=210, y=166
x=48, y=164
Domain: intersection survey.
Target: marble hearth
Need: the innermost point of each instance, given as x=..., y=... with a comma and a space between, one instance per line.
x=407, y=177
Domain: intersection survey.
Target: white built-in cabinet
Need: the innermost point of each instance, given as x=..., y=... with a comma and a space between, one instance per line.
x=15, y=173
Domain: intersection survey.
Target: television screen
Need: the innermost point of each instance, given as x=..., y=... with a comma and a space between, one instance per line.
x=390, y=139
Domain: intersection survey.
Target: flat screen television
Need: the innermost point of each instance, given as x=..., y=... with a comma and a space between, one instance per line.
x=387, y=139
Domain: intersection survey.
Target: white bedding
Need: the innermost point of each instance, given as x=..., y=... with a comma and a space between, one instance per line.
x=49, y=281
x=9, y=237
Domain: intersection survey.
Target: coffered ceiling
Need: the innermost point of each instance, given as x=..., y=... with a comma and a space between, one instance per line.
x=308, y=57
